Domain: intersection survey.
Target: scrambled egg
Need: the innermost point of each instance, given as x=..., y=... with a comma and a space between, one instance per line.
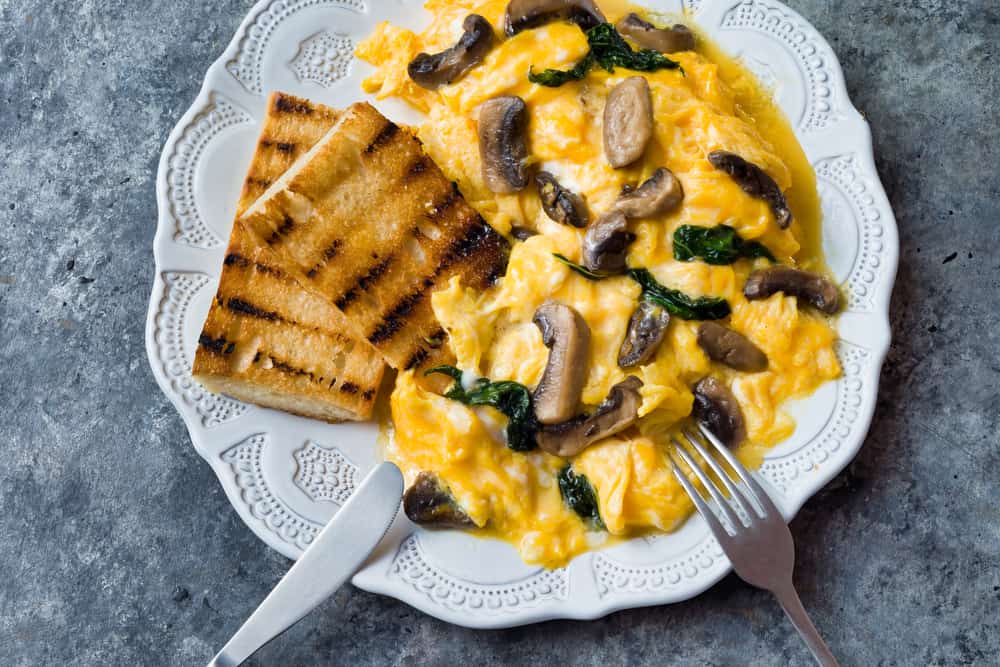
x=714, y=104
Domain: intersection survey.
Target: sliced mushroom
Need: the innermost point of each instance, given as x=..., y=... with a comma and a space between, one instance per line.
x=618, y=411
x=502, y=144
x=665, y=40
x=628, y=121
x=567, y=336
x=646, y=329
x=434, y=70
x=606, y=242
x=429, y=503
x=522, y=233
x=560, y=204
x=731, y=348
x=525, y=14
x=658, y=194
x=717, y=409
x=815, y=289
x=755, y=182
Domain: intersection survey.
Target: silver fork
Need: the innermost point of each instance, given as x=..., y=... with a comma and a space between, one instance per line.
x=762, y=553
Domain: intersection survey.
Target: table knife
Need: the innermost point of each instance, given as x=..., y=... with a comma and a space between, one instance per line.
x=339, y=550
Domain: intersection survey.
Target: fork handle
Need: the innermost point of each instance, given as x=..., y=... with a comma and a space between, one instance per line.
x=790, y=602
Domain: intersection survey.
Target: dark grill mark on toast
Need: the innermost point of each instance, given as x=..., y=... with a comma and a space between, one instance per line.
x=419, y=166
x=441, y=207
x=236, y=259
x=285, y=147
x=346, y=299
x=363, y=283
x=328, y=254
x=461, y=246
x=417, y=358
x=213, y=345
x=286, y=367
x=286, y=226
x=373, y=276
x=368, y=394
x=283, y=104
x=493, y=253
x=394, y=320
x=262, y=183
x=349, y=388
x=479, y=248
x=246, y=308
x=383, y=137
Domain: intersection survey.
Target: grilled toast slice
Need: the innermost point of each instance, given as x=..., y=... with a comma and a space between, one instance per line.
x=367, y=220
x=291, y=127
x=267, y=339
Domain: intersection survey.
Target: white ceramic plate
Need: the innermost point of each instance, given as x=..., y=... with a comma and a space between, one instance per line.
x=286, y=476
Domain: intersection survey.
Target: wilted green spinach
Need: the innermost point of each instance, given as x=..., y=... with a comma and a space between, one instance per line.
x=608, y=49
x=715, y=245
x=579, y=495
x=579, y=268
x=676, y=302
x=511, y=398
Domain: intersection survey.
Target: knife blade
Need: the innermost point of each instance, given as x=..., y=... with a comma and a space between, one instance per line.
x=336, y=554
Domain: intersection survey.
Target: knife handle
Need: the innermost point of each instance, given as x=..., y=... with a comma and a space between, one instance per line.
x=337, y=553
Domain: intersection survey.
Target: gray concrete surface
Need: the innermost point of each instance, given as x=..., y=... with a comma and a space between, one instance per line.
x=117, y=546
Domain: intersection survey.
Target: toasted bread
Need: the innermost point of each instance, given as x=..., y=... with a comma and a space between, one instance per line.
x=367, y=220
x=291, y=127
x=267, y=339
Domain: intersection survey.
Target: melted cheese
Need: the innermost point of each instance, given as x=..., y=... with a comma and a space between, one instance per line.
x=715, y=104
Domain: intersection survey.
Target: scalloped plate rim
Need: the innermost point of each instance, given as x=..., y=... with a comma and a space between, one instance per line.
x=372, y=581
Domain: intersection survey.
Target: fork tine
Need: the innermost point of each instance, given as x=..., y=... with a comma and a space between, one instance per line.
x=720, y=532
x=737, y=494
x=762, y=499
x=713, y=490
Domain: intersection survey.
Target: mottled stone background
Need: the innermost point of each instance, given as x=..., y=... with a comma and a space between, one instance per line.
x=118, y=547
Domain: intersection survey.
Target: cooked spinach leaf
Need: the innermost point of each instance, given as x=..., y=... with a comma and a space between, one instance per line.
x=715, y=245
x=608, y=49
x=553, y=78
x=579, y=495
x=511, y=398
x=579, y=268
x=676, y=302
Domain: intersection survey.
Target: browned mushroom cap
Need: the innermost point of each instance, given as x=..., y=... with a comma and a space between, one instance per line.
x=617, y=411
x=646, y=329
x=730, y=348
x=429, y=503
x=559, y=203
x=522, y=233
x=502, y=145
x=755, y=182
x=439, y=69
x=606, y=242
x=658, y=194
x=525, y=14
x=567, y=336
x=665, y=40
x=815, y=289
x=719, y=411
x=628, y=121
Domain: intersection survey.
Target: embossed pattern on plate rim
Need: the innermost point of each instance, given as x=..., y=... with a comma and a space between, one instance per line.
x=847, y=136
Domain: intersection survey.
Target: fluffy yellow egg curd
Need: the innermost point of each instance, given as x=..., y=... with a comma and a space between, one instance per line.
x=715, y=104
